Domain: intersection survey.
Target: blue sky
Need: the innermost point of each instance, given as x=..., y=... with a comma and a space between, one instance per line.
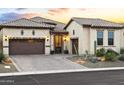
x=62, y=14
x=7, y=14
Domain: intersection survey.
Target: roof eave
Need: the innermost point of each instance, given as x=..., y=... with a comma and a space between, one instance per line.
x=68, y=23
x=94, y=26
x=3, y=26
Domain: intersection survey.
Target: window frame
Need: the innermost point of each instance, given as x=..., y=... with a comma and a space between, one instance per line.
x=22, y=32
x=100, y=38
x=33, y=32
x=109, y=44
x=73, y=32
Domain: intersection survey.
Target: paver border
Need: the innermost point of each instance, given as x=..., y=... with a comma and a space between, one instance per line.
x=15, y=64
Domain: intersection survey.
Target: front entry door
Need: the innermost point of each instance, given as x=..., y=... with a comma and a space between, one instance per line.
x=58, y=43
x=74, y=46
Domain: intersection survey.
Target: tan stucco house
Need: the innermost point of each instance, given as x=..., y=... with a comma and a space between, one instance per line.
x=88, y=34
x=32, y=36
x=39, y=35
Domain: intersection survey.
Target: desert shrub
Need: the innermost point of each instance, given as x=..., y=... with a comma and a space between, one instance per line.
x=112, y=51
x=111, y=55
x=121, y=57
x=100, y=52
x=122, y=51
x=2, y=57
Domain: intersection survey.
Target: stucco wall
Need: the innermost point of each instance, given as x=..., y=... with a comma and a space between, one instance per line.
x=87, y=36
x=52, y=42
x=16, y=33
x=86, y=39
x=122, y=38
x=78, y=34
x=117, y=38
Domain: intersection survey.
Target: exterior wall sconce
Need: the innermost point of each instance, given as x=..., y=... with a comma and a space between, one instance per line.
x=64, y=39
x=5, y=38
x=47, y=38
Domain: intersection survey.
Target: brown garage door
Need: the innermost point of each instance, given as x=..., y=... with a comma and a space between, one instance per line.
x=26, y=46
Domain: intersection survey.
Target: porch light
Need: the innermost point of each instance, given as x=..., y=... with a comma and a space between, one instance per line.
x=47, y=38
x=66, y=38
x=5, y=38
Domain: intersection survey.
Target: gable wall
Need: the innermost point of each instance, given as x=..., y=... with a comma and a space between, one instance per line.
x=81, y=34
x=87, y=36
x=16, y=33
x=117, y=40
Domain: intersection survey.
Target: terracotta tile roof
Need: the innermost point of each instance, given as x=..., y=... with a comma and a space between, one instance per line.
x=96, y=22
x=58, y=25
x=23, y=22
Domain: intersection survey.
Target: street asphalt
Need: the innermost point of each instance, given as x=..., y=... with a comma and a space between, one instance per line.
x=115, y=77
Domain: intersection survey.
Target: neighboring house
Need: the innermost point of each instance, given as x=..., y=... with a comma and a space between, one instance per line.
x=86, y=33
x=32, y=36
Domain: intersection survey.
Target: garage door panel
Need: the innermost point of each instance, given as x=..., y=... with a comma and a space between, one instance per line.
x=25, y=46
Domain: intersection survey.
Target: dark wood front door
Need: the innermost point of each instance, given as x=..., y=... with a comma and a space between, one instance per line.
x=26, y=46
x=58, y=42
x=74, y=46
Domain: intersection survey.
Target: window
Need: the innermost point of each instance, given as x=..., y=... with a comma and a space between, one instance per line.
x=33, y=32
x=110, y=38
x=73, y=32
x=22, y=32
x=100, y=38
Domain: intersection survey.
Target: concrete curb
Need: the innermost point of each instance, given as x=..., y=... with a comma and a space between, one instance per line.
x=61, y=71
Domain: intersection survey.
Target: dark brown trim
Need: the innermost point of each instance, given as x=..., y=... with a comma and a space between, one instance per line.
x=28, y=27
x=68, y=23
x=5, y=46
x=64, y=33
x=25, y=38
x=105, y=27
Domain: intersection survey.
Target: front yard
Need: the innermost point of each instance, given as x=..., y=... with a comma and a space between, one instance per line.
x=98, y=64
x=6, y=64
x=103, y=58
x=7, y=68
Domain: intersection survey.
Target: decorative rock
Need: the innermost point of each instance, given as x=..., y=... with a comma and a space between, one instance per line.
x=7, y=61
x=102, y=59
x=80, y=62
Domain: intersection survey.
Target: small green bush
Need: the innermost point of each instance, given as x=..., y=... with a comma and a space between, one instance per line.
x=121, y=57
x=111, y=55
x=2, y=57
x=100, y=52
x=112, y=51
x=122, y=51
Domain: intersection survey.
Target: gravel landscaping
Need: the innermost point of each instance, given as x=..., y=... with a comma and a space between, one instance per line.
x=7, y=68
x=99, y=64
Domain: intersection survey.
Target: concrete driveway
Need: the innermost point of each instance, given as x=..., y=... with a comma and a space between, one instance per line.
x=44, y=63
